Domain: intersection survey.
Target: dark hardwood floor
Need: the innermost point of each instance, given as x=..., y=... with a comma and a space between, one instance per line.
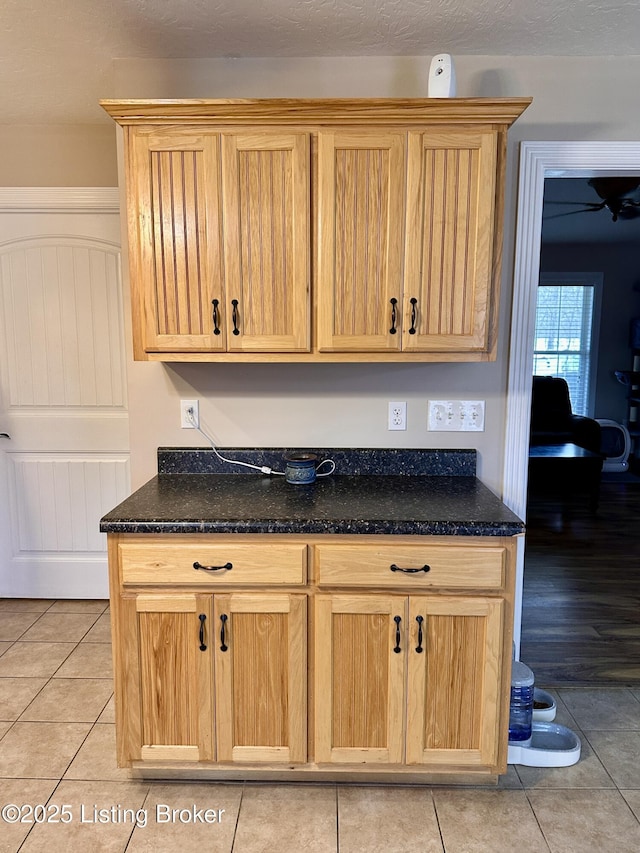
x=581, y=601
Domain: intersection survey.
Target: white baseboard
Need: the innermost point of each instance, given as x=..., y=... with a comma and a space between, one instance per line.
x=85, y=580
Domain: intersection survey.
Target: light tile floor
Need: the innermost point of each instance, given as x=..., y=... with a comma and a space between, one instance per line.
x=57, y=753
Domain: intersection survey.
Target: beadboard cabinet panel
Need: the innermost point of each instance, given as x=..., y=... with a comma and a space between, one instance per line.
x=315, y=230
x=175, y=238
x=219, y=240
x=265, y=180
x=360, y=222
x=450, y=216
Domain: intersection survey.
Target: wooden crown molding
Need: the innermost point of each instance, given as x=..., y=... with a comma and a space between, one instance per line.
x=335, y=111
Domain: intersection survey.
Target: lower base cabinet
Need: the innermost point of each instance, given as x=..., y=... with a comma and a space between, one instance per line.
x=408, y=680
x=260, y=677
x=218, y=678
x=169, y=704
x=360, y=679
x=305, y=675
x=454, y=685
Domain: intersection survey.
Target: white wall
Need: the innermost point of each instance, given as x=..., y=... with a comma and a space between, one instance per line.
x=345, y=405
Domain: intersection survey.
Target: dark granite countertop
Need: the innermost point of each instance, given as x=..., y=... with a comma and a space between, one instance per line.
x=423, y=501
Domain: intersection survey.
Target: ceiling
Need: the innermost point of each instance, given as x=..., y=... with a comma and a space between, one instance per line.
x=59, y=56
x=564, y=219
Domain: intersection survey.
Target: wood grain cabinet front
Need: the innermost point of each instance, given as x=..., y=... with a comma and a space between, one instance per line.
x=261, y=677
x=315, y=230
x=360, y=679
x=423, y=566
x=407, y=222
x=261, y=668
x=219, y=240
x=361, y=199
x=164, y=679
x=453, y=240
x=455, y=682
x=209, y=677
x=153, y=560
x=409, y=680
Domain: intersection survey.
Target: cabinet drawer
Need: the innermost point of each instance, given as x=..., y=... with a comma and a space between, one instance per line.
x=424, y=566
x=237, y=564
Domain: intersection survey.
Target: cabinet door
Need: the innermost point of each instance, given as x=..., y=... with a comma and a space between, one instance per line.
x=266, y=184
x=454, y=694
x=361, y=185
x=360, y=678
x=451, y=179
x=175, y=240
x=175, y=677
x=261, y=677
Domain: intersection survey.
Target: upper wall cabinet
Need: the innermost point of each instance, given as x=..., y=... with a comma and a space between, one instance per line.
x=406, y=221
x=219, y=240
x=307, y=230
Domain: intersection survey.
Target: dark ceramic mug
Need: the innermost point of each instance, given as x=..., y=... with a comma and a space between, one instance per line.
x=301, y=468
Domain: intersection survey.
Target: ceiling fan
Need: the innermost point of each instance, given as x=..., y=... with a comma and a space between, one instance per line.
x=619, y=196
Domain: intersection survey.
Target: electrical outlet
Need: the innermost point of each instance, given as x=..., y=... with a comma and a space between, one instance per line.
x=189, y=414
x=473, y=415
x=397, y=416
x=456, y=415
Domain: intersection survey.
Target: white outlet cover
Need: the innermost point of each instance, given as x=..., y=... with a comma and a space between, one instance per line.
x=185, y=420
x=397, y=418
x=456, y=416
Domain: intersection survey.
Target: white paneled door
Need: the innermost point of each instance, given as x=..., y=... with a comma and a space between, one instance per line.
x=64, y=452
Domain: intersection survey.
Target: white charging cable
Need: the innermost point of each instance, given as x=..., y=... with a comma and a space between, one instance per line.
x=264, y=469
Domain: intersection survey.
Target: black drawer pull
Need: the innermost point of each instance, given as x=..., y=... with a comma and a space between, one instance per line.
x=414, y=311
x=395, y=568
x=419, y=620
x=223, y=644
x=202, y=617
x=394, y=316
x=227, y=567
x=397, y=620
x=234, y=317
x=216, y=316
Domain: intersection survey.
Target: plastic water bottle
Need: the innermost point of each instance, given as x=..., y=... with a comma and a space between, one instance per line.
x=521, y=708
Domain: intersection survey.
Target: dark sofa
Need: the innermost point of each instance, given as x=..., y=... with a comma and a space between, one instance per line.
x=553, y=422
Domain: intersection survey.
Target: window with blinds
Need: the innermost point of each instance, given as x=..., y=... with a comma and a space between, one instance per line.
x=565, y=341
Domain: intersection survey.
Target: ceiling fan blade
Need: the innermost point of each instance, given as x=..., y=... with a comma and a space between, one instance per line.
x=584, y=205
x=573, y=212
x=581, y=203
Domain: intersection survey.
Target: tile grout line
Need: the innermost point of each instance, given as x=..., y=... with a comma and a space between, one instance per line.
x=235, y=828
x=535, y=817
x=133, y=828
x=628, y=806
x=605, y=768
x=435, y=811
x=77, y=642
x=55, y=788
